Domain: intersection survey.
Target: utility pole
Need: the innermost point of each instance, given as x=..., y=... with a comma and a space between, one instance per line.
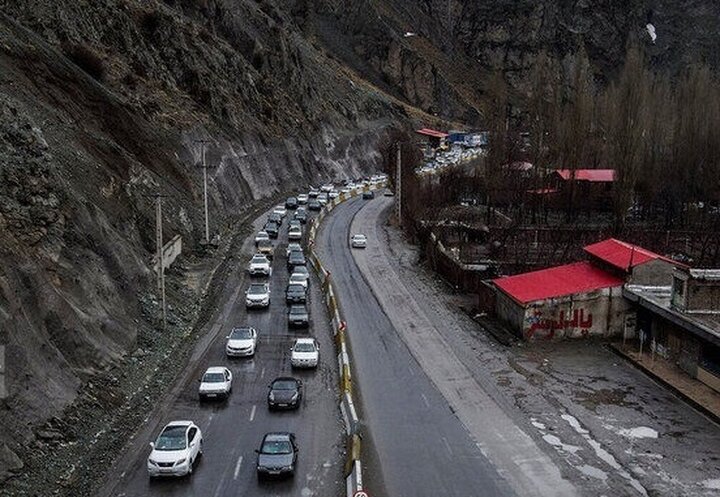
x=398, y=185
x=160, y=257
x=205, y=195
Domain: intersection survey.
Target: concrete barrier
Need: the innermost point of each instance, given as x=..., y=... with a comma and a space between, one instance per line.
x=353, y=466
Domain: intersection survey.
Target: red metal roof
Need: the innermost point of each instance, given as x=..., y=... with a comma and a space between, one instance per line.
x=431, y=132
x=579, y=277
x=623, y=255
x=592, y=175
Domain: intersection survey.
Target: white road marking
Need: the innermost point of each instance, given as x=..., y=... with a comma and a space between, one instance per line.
x=262, y=373
x=237, y=468
x=447, y=445
x=427, y=403
x=252, y=412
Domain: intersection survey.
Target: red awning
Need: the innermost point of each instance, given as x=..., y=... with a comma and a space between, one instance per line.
x=591, y=175
x=431, y=132
x=579, y=277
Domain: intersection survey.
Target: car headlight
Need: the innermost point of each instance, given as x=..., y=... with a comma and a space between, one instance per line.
x=180, y=462
x=287, y=468
x=294, y=397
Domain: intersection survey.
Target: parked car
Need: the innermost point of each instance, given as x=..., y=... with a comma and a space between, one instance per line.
x=296, y=258
x=272, y=229
x=368, y=195
x=314, y=205
x=215, y=383
x=327, y=188
x=258, y=295
x=305, y=353
x=265, y=247
x=293, y=247
x=298, y=279
x=302, y=198
x=175, y=450
x=298, y=316
x=301, y=215
x=295, y=294
x=295, y=233
x=261, y=236
x=285, y=393
x=358, y=241
x=277, y=455
x=333, y=194
x=323, y=199
x=291, y=203
x=313, y=193
x=280, y=210
x=241, y=342
x=259, y=266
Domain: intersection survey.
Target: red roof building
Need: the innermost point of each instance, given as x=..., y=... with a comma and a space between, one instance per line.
x=560, y=281
x=433, y=133
x=590, y=175
x=622, y=255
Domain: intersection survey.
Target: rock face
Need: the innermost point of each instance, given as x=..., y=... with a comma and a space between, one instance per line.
x=101, y=103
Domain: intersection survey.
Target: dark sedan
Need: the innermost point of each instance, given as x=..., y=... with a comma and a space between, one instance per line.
x=275, y=218
x=298, y=316
x=314, y=205
x=301, y=216
x=277, y=455
x=285, y=393
x=291, y=203
x=272, y=229
x=296, y=258
x=295, y=294
x=368, y=195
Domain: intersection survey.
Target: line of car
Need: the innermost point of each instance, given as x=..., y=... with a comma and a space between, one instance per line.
x=180, y=443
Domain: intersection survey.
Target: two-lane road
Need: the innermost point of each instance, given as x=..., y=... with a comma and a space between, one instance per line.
x=419, y=447
x=233, y=429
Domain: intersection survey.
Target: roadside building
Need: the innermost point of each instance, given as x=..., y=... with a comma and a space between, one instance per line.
x=435, y=138
x=570, y=301
x=593, y=186
x=681, y=321
x=580, y=299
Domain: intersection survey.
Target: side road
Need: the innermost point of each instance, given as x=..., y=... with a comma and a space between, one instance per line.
x=608, y=428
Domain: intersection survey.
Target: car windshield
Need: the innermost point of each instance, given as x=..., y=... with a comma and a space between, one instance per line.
x=240, y=334
x=304, y=347
x=297, y=309
x=258, y=289
x=276, y=447
x=213, y=378
x=259, y=258
x=296, y=289
x=172, y=438
x=301, y=270
x=284, y=385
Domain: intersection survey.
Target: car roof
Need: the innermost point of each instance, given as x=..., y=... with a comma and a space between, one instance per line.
x=277, y=436
x=179, y=423
x=215, y=369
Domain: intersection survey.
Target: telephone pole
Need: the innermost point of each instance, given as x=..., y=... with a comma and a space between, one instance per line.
x=398, y=185
x=205, y=194
x=160, y=256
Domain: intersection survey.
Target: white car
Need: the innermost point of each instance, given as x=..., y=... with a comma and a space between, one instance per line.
x=322, y=199
x=291, y=247
x=295, y=233
x=333, y=194
x=241, y=342
x=261, y=236
x=280, y=209
x=302, y=198
x=258, y=295
x=175, y=450
x=358, y=241
x=299, y=279
x=260, y=265
x=215, y=383
x=305, y=353
x=327, y=188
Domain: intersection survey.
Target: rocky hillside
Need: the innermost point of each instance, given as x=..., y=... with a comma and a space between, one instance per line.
x=101, y=103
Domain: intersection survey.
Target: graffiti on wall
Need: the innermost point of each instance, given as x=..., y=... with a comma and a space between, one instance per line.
x=539, y=326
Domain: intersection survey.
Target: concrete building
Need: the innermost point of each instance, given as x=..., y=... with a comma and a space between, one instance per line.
x=581, y=299
x=681, y=321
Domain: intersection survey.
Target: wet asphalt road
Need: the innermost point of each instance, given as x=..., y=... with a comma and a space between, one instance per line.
x=418, y=445
x=233, y=429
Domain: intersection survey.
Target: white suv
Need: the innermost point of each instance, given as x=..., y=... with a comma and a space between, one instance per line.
x=175, y=450
x=258, y=295
x=305, y=353
x=260, y=265
x=215, y=383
